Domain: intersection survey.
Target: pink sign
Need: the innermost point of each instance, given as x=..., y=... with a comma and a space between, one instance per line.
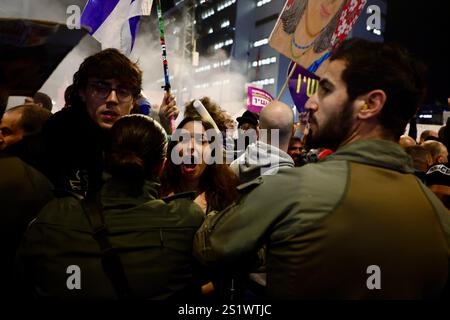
x=257, y=99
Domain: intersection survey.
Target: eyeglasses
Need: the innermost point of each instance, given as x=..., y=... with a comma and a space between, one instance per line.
x=102, y=90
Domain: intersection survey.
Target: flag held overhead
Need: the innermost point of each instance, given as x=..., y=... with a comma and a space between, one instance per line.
x=114, y=23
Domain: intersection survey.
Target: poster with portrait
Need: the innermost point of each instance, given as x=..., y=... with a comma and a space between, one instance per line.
x=307, y=30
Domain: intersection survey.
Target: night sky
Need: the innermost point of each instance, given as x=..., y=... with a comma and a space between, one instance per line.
x=424, y=28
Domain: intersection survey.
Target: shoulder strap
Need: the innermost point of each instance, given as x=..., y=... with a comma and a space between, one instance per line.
x=111, y=263
x=183, y=195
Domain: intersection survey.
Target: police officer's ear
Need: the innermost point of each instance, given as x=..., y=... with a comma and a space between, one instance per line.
x=371, y=104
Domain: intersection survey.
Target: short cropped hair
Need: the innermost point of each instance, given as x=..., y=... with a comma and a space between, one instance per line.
x=32, y=119
x=420, y=156
x=372, y=66
x=44, y=99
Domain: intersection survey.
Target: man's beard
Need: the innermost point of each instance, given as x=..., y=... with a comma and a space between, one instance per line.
x=297, y=160
x=334, y=132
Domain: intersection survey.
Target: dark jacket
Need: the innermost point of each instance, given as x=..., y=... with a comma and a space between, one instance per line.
x=325, y=225
x=23, y=193
x=73, y=150
x=153, y=239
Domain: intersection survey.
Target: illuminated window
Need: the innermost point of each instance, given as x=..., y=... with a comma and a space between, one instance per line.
x=260, y=3
x=261, y=42
x=203, y=68
x=223, y=44
x=264, y=62
x=225, y=24
x=264, y=82
x=225, y=4
x=221, y=64
x=208, y=13
x=202, y=86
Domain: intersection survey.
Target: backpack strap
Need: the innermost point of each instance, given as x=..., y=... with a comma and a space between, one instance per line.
x=111, y=263
x=183, y=195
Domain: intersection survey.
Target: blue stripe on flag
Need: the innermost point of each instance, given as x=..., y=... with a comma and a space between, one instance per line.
x=96, y=12
x=134, y=22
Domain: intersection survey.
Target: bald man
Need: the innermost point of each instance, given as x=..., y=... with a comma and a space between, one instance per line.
x=20, y=122
x=438, y=151
x=406, y=141
x=269, y=154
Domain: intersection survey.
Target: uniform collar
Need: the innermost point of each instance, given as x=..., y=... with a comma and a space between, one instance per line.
x=116, y=192
x=380, y=153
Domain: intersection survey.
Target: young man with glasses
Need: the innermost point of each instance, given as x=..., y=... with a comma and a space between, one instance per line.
x=105, y=88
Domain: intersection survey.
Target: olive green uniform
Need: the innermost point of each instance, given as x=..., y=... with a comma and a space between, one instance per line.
x=153, y=240
x=326, y=225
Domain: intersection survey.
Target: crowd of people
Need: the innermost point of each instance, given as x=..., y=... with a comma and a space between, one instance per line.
x=97, y=206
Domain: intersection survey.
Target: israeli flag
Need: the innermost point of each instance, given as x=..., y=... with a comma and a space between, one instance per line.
x=114, y=23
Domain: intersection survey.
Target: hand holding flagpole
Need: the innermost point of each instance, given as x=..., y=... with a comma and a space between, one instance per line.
x=166, y=86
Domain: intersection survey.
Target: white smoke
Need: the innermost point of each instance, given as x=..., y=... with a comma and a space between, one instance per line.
x=51, y=10
x=226, y=87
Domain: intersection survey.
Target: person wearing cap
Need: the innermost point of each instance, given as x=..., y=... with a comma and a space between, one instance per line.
x=358, y=224
x=247, y=121
x=248, y=131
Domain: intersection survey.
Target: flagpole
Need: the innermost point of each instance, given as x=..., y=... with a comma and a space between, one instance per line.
x=287, y=81
x=162, y=35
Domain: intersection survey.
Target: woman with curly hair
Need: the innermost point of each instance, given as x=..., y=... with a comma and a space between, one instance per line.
x=195, y=166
